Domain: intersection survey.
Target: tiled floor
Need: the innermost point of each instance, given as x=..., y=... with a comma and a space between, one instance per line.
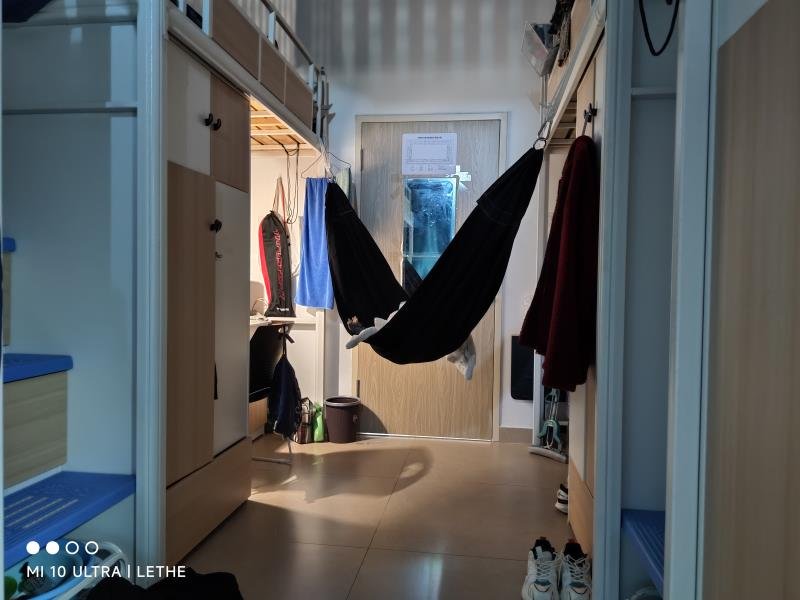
x=388, y=519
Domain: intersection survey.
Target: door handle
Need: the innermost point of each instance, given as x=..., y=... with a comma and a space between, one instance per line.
x=217, y=124
x=208, y=120
x=215, y=226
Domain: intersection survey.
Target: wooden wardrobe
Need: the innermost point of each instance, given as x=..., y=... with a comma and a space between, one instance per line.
x=208, y=227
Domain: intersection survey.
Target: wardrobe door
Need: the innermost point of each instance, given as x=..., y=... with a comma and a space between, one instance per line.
x=232, y=308
x=188, y=106
x=190, y=321
x=230, y=136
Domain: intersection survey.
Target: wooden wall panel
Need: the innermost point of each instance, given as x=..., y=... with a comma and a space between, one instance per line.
x=298, y=97
x=34, y=426
x=753, y=446
x=231, y=30
x=200, y=502
x=190, y=318
x=581, y=509
x=273, y=70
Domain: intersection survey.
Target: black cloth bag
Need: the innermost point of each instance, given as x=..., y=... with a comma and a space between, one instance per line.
x=447, y=305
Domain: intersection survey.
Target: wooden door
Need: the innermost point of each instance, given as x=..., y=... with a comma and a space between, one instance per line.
x=231, y=329
x=752, y=522
x=190, y=321
x=230, y=136
x=431, y=399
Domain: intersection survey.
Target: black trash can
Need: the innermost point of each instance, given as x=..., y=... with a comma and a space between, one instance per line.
x=341, y=418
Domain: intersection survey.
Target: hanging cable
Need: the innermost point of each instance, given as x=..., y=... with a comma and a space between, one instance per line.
x=647, y=37
x=292, y=212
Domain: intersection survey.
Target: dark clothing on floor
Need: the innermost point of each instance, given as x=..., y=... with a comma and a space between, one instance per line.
x=213, y=586
x=562, y=320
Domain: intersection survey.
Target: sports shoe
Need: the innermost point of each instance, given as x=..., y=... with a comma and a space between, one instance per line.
x=576, y=582
x=562, y=505
x=563, y=492
x=541, y=582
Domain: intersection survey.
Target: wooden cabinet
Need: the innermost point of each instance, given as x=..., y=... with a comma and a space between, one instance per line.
x=190, y=321
x=231, y=30
x=188, y=106
x=230, y=136
x=231, y=307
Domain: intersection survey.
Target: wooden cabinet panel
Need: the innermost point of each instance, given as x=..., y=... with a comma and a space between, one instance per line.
x=299, y=99
x=581, y=509
x=200, y=502
x=190, y=318
x=231, y=30
x=188, y=105
x=273, y=70
x=231, y=308
x=230, y=137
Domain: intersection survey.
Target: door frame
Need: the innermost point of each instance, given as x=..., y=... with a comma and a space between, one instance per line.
x=501, y=167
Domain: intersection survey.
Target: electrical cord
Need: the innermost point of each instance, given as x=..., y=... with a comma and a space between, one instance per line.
x=650, y=45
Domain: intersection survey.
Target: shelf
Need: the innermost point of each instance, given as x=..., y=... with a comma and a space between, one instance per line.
x=646, y=529
x=51, y=508
x=282, y=321
x=25, y=366
x=9, y=245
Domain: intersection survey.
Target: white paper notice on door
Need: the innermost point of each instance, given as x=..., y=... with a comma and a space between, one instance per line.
x=429, y=154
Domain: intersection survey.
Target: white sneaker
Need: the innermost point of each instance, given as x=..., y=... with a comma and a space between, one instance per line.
x=541, y=582
x=576, y=581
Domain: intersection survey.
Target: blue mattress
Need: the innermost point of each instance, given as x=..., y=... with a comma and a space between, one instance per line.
x=51, y=508
x=9, y=245
x=646, y=530
x=25, y=366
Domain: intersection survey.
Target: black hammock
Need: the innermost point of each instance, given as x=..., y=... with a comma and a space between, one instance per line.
x=447, y=305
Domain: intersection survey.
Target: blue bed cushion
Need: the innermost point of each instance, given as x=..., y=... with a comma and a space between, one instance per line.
x=49, y=509
x=25, y=366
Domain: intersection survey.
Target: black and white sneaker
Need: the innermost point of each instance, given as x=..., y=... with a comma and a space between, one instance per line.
x=563, y=492
x=562, y=499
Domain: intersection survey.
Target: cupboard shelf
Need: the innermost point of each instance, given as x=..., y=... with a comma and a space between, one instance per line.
x=17, y=367
x=52, y=507
x=646, y=529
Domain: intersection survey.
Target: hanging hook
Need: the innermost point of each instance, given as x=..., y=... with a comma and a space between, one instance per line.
x=588, y=115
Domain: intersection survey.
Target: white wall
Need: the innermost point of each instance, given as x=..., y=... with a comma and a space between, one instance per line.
x=414, y=57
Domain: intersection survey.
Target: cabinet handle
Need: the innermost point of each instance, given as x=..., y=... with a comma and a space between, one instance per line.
x=209, y=119
x=217, y=124
x=215, y=226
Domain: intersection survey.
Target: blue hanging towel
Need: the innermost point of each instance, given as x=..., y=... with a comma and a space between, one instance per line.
x=314, y=287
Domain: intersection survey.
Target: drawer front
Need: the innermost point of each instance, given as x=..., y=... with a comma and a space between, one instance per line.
x=273, y=70
x=230, y=137
x=200, y=502
x=299, y=99
x=231, y=30
x=188, y=105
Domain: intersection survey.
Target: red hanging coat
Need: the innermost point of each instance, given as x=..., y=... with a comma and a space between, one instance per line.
x=562, y=320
